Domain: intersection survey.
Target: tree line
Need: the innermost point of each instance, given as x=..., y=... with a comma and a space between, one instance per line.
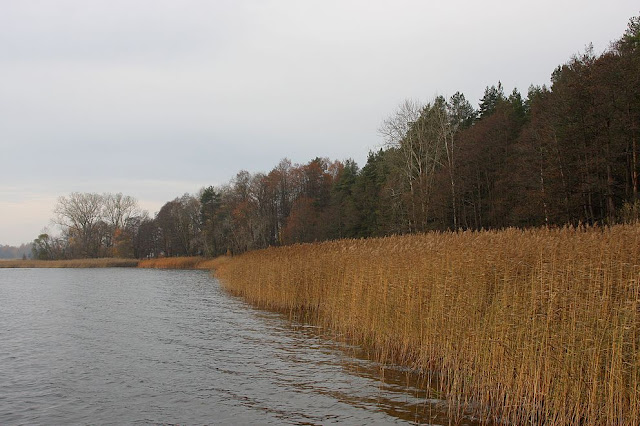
x=11, y=252
x=93, y=225
x=563, y=154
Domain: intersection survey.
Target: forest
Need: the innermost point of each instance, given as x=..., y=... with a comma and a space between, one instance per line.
x=562, y=154
x=10, y=252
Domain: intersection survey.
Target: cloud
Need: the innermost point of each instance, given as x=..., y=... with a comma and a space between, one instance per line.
x=193, y=91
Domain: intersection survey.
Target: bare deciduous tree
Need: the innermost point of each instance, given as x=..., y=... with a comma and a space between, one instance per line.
x=79, y=215
x=420, y=133
x=119, y=208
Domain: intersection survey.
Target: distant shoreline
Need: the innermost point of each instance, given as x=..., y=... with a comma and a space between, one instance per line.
x=70, y=263
x=193, y=262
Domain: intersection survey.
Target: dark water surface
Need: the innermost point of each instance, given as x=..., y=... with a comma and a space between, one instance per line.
x=136, y=346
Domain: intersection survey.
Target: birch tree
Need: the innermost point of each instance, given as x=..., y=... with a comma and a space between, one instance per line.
x=421, y=134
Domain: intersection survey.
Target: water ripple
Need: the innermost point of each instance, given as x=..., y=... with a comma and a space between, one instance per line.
x=130, y=346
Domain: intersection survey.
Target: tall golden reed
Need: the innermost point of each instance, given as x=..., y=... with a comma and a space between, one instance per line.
x=523, y=326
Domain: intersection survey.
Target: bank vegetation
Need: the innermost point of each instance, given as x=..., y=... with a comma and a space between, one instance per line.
x=70, y=263
x=536, y=326
x=184, y=262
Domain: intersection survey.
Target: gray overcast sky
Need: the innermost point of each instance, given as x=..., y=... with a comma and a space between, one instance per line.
x=157, y=98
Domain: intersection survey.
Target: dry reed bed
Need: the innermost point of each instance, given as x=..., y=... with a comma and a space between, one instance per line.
x=159, y=263
x=536, y=326
x=177, y=263
x=71, y=263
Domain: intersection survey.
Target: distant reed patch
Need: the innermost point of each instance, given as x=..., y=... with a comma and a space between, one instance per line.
x=71, y=263
x=193, y=262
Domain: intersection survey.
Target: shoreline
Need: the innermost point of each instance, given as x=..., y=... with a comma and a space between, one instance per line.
x=158, y=263
x=534, y=326
x=538, y=326
x=70, y=263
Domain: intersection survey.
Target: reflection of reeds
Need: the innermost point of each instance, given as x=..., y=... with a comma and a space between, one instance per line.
x=71, y=263
x=176, y=263
x=536, y=326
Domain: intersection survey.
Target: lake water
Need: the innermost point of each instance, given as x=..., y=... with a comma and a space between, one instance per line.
x=137, y=346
